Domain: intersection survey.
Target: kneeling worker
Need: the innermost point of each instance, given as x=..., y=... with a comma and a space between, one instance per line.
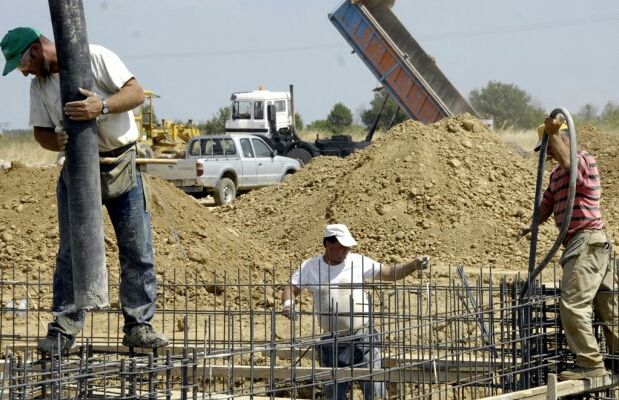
x=335, y=279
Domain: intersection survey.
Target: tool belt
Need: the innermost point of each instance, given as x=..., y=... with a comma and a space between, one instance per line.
x=118, y=173
x=117, y=152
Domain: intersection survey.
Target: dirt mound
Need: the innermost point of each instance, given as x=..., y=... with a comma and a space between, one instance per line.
x=452, y=190
x=190, y=243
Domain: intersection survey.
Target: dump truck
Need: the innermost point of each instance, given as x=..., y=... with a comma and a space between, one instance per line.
x=270, y=115
x=397, y=60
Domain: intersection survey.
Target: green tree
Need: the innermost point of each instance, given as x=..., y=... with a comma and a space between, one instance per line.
x=588, y=113
x=507, y=104
x=339, y=118
x=610, y=115
x=298, y=121
x=217, y=123
x=391, y=115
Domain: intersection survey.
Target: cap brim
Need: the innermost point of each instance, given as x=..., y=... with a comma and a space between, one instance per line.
x=347, y=241
x=10, y=65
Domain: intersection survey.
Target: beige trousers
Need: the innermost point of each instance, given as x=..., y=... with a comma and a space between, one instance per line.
x=588, y=277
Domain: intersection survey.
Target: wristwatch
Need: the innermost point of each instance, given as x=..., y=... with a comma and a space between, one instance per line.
x=105, y=109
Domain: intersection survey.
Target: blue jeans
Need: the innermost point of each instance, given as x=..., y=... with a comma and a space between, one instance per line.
x=361, y=349
x=138, y=281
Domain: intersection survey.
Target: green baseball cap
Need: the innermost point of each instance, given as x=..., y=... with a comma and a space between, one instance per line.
x=14, y=43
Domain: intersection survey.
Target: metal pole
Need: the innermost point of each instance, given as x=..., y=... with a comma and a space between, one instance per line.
x=81, y=170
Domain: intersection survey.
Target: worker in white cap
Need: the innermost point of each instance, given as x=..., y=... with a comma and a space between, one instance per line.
x=336, y=279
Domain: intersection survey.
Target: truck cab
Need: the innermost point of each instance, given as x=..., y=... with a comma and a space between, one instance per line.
x=260, y=112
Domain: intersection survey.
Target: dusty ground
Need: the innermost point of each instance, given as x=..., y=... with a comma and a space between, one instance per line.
x=452, y=190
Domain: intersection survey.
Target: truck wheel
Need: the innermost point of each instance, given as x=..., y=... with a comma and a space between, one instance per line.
x=286, y=176
x=302, y=155
x=225, y=192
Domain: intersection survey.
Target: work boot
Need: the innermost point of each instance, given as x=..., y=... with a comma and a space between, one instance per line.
x=577, y=372
x=50, y=343
x=144, y=336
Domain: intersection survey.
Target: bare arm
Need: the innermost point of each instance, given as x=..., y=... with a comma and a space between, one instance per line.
x=561, y=150
x=397, y=272
x=127, y=98
x=545, y=211
x=47, y=138
x=289, y=293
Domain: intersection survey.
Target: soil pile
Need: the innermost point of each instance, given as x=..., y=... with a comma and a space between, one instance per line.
x=191, y=244
x=452, y=190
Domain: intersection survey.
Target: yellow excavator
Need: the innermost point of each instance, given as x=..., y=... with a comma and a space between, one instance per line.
x=165, y=139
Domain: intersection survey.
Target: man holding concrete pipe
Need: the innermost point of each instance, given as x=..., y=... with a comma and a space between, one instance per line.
x=114, y=94
x=588, y=277
x=336, y=279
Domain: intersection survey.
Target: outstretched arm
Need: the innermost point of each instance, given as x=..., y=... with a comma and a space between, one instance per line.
x=400, y=271
x=289, y=293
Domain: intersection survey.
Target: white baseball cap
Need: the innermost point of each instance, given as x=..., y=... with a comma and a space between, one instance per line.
x=341, y=232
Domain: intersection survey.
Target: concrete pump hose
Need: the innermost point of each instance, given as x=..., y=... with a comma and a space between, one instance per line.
x=534, y=272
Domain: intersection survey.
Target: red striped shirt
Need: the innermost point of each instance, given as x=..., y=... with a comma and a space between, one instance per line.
x=586, y=214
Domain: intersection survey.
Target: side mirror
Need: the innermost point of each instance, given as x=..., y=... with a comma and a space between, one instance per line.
x=273, y=153
x=272, y=118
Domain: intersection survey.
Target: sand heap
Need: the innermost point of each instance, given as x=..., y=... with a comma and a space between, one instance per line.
x=189, y=240
x=452, y=190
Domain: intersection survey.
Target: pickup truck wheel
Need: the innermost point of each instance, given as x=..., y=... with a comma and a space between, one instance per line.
x=286, y=176
x=225, y=192
x=302, y=155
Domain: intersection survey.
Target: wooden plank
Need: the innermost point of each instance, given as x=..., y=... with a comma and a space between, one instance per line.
x=551, y=394
x=447, y=361
x=403, y=375
x=562, y=389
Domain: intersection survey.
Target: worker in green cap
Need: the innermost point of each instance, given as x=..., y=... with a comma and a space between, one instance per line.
x=115, y=93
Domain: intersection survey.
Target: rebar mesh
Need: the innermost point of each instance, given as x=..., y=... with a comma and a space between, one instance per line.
x=463, y=335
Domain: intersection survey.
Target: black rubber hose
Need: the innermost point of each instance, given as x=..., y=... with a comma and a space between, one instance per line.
x=81, y=168
x=534, y=272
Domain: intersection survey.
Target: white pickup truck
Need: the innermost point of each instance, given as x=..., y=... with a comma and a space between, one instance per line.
x=224, y=165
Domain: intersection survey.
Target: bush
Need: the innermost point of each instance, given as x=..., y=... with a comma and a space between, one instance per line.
x=391, y=115
x=339, y=118
x=507, y=104
x=217, y=124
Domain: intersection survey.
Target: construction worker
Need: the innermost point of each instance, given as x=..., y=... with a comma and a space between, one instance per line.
x=335, y=279
x=114, y=94
x=588, y=276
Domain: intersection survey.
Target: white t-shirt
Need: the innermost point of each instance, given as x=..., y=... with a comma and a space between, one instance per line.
x=337, y=290
x=110, y=74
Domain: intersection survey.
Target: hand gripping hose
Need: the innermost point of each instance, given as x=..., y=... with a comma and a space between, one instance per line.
x=535, y=271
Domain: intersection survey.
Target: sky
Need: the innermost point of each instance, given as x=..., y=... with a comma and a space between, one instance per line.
x=195, y=53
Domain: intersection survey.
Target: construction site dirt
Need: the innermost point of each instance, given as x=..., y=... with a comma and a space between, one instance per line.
x=452, y=190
